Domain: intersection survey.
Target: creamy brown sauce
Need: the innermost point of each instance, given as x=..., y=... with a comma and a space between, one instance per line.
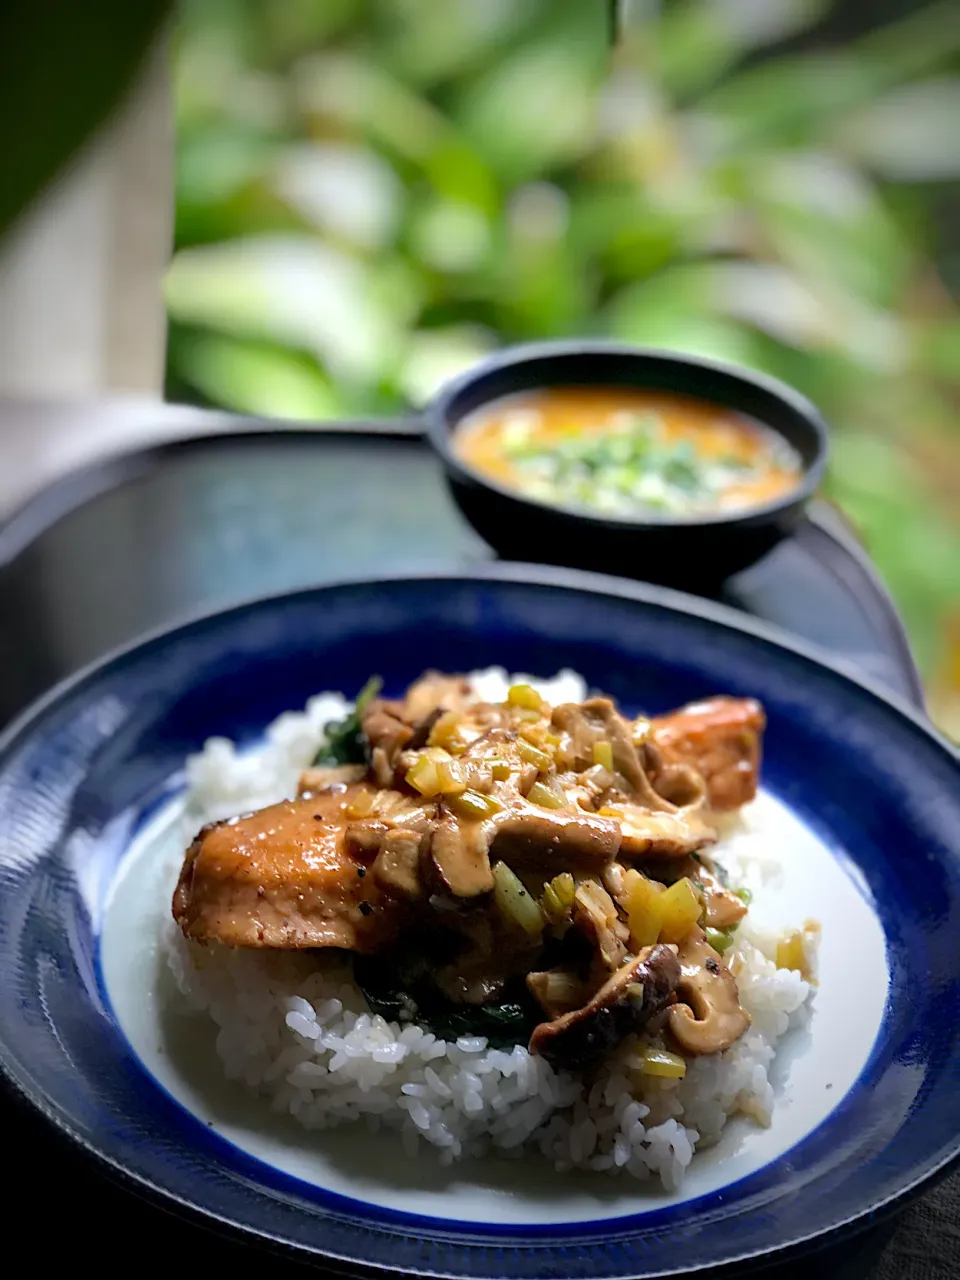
x=621, y=451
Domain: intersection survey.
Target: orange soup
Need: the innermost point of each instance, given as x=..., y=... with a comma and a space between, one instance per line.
x=622, y=452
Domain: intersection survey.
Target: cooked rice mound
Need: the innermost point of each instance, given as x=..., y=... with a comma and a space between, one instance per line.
x=297, y=1029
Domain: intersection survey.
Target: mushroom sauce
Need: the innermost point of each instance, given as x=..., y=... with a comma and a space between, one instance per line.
x=622, y=452
x=530, y=873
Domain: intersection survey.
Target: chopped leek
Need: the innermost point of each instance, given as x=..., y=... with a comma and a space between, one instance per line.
x=563, y=989
x=423, y=776
x=565, y=888
x=514, y=902
x=557, y=899
x=680, y=909
x=436, y=773
x=446, y=733
x=362, y=803
x=603, y=754
x=663, y=1063
x=533, y=755
x=549, y=797
x=451, y=777
x=524, y=695
x=473, y=805
x=535, y=734
x=526, y=715
x=643, y=912
x=791, y=953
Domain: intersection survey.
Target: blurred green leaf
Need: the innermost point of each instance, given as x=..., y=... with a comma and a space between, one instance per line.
x=434, y=355
x=282, y=31
x=533, y=110
x=616, y=226
x=258, y=379
x=215, y=163
x=430, y=42
x=920, y=43
x=786, y=102
x=674, y=310
x=910, y=135
x=938, y=348
x=698, y=40
x=450, y=236
x=876, y=481
x=348, y=192
x=289, y=290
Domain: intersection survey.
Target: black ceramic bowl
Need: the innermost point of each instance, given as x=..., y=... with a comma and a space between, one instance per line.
x=692, y=552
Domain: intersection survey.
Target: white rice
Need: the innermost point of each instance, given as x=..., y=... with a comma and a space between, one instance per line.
x=303, y=1037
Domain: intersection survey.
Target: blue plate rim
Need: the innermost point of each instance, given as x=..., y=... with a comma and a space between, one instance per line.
x=504, y=571
x=534, y=575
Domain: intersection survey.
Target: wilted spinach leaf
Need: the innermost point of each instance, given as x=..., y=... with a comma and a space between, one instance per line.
x=344, y=740
x=399, y=982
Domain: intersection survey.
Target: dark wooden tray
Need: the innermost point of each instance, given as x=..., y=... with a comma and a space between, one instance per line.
x=147, y=538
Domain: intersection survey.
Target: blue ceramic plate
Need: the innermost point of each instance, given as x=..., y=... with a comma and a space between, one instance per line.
x=860, y=792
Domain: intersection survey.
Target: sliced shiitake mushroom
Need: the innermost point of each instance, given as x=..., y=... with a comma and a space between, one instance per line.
x=710, y=1019
x=624, y=1004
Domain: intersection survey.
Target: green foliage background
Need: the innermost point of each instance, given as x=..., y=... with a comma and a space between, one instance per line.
x=372, y=193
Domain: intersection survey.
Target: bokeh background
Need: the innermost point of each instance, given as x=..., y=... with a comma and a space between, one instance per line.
x=373, y=193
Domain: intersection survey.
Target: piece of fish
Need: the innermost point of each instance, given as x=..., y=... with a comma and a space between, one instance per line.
x=284, y=877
